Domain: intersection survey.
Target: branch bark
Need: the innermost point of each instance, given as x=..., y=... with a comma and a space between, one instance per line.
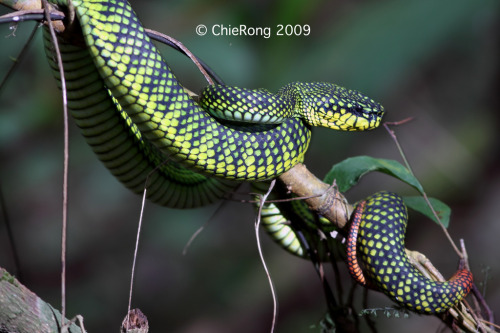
x=322, y=198
x=22, y=4
x=21, y=311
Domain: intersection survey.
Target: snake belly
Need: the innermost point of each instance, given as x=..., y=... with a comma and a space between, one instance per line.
x=380, y=225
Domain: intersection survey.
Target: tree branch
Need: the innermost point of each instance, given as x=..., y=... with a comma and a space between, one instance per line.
x=21, y=311
x=22, y=5
x=322, y=198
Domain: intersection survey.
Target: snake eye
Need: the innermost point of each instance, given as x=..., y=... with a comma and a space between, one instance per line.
x=358, y=109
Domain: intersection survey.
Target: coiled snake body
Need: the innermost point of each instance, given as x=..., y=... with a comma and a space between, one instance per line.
x=163, y=123
x=138, y=118
x=376, y=236
x=378, y=232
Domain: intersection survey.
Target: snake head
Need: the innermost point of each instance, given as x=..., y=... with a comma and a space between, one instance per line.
x=336, y=107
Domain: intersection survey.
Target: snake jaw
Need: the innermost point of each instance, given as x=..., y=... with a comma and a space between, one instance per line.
x=354, y=118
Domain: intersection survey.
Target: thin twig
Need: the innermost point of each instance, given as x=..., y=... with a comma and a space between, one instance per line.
x=3, y=206
x=368, y=319
x=491, y=324
x=47, y=9
x=337, y=276
x=193, y=237
x=201, y=228
x=18, y=59
x=185, y=51
x=139, y=227
x=403, y=155
x=38, y=15
x=257, y=235
x=10, y=237
x=283, y=200
x=30, y=15
x=175, y=44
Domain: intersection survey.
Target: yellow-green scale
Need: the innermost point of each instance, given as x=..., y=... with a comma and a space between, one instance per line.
x=381, y=244
x=148, y=91
x=117, y=141
x=166, y=115
x=317, y=103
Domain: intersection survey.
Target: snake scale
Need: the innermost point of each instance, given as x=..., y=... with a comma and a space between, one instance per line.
x=165, y=125
x=143, y=125
x=378, y=231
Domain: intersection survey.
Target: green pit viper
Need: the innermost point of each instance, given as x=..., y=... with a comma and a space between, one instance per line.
x=145, y=128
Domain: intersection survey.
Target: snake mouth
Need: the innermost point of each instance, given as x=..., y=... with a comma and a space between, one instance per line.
x=357, y=117
x=371, y=117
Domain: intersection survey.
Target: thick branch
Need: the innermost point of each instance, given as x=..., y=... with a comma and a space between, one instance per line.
x=22, y=5
x=21, y=311
x=322, y=198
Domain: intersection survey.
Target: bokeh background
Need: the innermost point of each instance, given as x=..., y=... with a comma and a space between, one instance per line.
x=435, y=61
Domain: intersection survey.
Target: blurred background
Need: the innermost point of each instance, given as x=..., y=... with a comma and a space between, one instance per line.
x=435, y=61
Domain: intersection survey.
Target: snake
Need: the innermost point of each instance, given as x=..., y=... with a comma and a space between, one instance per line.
x=376, y=234
x=143, y=125
x=286, y=221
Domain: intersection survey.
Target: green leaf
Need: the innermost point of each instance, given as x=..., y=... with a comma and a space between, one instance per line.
x=418, y=204
x=348, y=172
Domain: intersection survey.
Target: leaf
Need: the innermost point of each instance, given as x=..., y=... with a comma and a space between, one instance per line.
x=348, y=172
x=418, y=204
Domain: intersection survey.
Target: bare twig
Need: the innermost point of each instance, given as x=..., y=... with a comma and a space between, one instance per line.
x=30, y=15
x=160, y=36
x=47, y=9
x=201, y=228
x=403, y=155
x=10, y=236
x=18, y=59
x=257, y=235
x=139, y=227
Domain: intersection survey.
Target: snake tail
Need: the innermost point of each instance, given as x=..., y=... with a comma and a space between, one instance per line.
x=378, y=232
